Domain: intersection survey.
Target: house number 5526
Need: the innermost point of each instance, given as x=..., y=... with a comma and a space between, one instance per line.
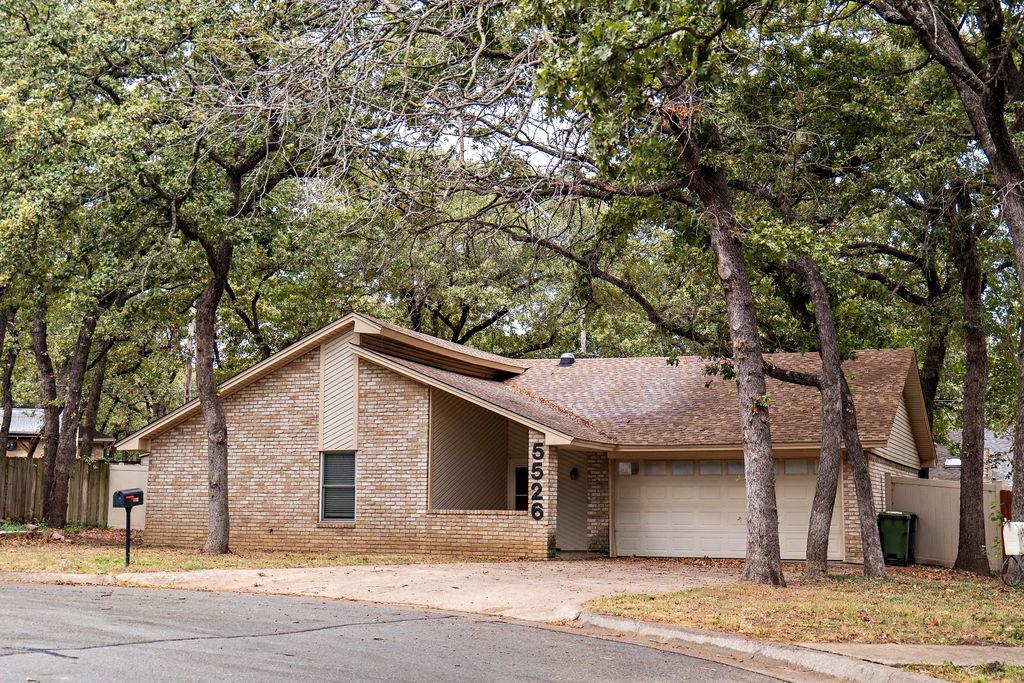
x=536, y=488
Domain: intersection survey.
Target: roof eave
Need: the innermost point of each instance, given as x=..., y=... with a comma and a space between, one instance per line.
x=913, y=397
x=704, y=447
x=409, y=340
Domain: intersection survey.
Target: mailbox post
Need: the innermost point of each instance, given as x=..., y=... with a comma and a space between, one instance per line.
x=127, y=499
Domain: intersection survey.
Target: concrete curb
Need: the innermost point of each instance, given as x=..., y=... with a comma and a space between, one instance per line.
x=837, y=666
x=59, y=578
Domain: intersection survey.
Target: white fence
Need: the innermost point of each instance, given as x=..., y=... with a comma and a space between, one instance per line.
x=126, y=476
x=936, y=502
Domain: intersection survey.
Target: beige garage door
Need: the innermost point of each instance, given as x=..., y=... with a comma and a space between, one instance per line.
x=688, y=508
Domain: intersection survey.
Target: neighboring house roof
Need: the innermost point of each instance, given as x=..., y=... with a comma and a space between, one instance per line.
x=615, y=403
x=28, y=422
x=998, y=446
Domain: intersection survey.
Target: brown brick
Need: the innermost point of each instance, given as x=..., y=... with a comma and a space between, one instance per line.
x=877, y=469
x=274, y=471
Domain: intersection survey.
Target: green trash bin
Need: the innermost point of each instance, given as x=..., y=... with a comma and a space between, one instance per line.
x=898, y=531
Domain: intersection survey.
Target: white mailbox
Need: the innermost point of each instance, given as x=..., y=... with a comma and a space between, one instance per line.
x=1013, y=538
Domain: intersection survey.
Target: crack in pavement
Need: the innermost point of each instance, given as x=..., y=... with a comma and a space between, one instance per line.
x=57, y=651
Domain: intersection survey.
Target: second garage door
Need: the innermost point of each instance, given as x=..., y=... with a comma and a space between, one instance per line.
x=692, y=508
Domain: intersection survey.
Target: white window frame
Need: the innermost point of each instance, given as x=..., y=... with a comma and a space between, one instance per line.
x=355, y=487
x=632, y=465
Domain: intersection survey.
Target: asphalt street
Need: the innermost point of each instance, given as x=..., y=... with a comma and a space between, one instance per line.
x=78, y=633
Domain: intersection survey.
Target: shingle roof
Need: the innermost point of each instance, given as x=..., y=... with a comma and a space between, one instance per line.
x=647, y=402
x=628, y=402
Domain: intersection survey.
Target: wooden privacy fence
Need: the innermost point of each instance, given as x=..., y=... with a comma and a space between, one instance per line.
x=21, y=490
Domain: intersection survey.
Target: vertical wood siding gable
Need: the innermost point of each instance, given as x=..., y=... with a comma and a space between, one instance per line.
x=468, y=455
x=901, y=448
x=571, y=532
x=338, y=389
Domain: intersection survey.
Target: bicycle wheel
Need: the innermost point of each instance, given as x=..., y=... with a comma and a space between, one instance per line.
x=1012, y=571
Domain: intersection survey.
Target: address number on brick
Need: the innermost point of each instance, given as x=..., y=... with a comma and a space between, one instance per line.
x=537, y=488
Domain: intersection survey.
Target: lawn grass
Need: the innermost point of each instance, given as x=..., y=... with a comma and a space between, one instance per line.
x=102, y=552
x=918, y=605
x=987, y=673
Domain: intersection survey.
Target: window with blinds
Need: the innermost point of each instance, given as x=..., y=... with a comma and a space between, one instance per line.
x=338, y=486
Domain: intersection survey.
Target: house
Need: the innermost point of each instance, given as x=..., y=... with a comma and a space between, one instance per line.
x=998, y=454
x=26, y=428
x=369, y=437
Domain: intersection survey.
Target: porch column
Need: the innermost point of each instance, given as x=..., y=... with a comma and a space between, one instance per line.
x=543, y=489
x=597, y=502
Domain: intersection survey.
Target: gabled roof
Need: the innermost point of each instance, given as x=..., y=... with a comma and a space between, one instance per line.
x=615, y=403
x=353, y=322
x=648, y=402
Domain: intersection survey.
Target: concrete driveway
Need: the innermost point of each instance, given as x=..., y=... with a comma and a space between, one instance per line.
x=536, y=591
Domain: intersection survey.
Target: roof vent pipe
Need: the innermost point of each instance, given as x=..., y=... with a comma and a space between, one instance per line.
x=566, y=359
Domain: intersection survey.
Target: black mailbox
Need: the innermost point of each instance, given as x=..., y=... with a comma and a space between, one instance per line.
x=127, y=498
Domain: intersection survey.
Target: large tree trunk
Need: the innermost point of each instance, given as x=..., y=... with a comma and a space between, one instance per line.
x=823, y=505
x=7, y=395
x=971, y=555
x=1015, y=206
x=10, y=358
x=1010, y=178
x=218, y=522
x=190, y=351
x=763, y=564
x=933, y=361
x=51, y=409
x=92, y=401
x=874, y=561
x=983, y=88
x=55, y=501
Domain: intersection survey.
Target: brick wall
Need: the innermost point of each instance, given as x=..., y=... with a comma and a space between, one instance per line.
x=547, y=526
x=597, y=502
x=877, y=469
x=274, y=471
